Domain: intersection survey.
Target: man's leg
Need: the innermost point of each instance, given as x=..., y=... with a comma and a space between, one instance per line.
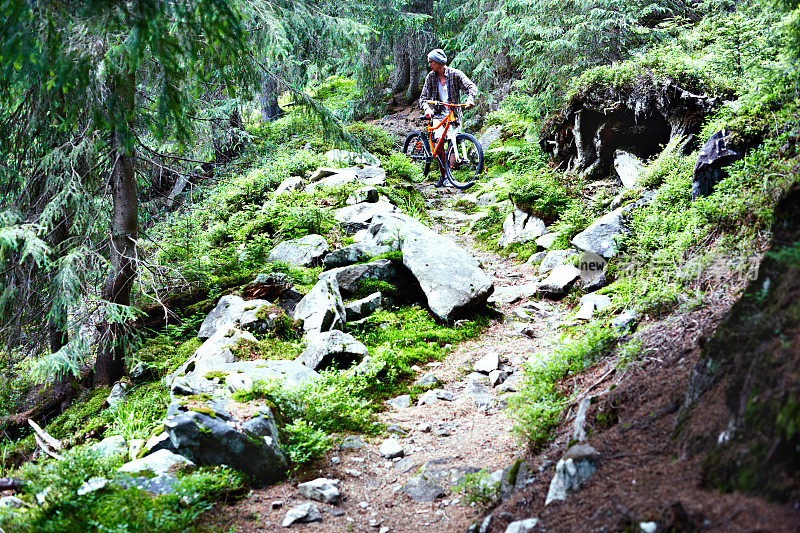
x=439, y=156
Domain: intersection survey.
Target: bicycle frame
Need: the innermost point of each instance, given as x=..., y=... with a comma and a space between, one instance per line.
x=446, y=121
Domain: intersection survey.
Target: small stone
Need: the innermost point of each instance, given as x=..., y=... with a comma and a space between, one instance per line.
x=442, y=432
x=391, y=448
x=303, y=513
x=321, y=489
x=92, y=485
x=11, y=502
x=522, y=526
x=487, y=363
x=374, y=523
x=627, y=321
x=335, y=460
x=496, y=377
x=424, y=427
x=428, y=381
x=335, y=512
x=352, y=443
x=421, y=490
x=396, y=430
x=648, y=527
x=384, y=529
x=401, y=402
x=277, y=504
x=352, y=472
x=363, y=505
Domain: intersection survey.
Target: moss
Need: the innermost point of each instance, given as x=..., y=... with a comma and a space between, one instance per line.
x=217, y=374
x=513, y=472
x=366, y=287
x=86, y=414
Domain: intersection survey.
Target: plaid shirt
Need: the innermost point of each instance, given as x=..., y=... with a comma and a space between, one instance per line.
x=457, y=81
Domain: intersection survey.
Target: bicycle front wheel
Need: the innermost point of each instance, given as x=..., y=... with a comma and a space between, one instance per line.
x=464, y=161
x=416, y=148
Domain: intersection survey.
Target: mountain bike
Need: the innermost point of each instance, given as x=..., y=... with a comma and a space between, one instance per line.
x=463, y=159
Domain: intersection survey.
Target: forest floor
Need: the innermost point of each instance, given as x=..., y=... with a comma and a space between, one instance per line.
x=643, y=475
x=461, y=435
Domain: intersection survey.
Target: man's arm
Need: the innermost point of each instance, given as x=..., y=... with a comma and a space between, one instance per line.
x=426, y=108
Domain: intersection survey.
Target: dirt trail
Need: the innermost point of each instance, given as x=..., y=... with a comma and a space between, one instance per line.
x=445, y=437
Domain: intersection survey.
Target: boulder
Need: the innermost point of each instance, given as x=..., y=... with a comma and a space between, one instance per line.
x=390, y=448
x=428, y=381
x=290, y=184
x=351, y=158
x=268, y=286
x=160, y=462
x=350, y=279
x=710, y=167
x=492, y=134
x=321, y=489
x=118, y=392
x=304, y=252
x=559, y=281
x=601, y=302
x=206, y=433
x=602, y=235
x=161, y=484
x=435, y=394
x=322, y=308
x=555, y=258
x=370, y=175
x=511, y=293
x=218, y=349
x=520, y=226
x=487, y=363
x=451, y=279
x=111, y=446
x=625, y=321
x=629, y=168
x=401, y=402
x=577, y=465
x=358, y=216
x=367, y=194
x=364, y=307
x=340, y=177
x=225, y=314
x=522, y=526
x=329, y=347
x=304, y=513
x=422, y=490
x=546, y=241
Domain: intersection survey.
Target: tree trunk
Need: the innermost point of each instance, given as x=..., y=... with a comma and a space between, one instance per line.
x=228, y=138
x=110, y=363
x=401, y=63
x=57, y=323
x=269, y=99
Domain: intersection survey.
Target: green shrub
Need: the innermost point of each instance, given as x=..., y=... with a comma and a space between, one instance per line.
x=479, y=489
x=537, y=407
x=142, y=408
x=304, y=443
x=539, y=193
x=85, y=415
x=372, y=138
x=400, y=168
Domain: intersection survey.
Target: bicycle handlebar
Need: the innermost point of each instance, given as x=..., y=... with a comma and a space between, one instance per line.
x=434, y=102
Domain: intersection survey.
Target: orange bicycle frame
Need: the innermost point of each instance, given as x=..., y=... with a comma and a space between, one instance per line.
x=446, y=121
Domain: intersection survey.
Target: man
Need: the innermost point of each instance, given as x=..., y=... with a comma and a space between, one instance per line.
x=445, y=84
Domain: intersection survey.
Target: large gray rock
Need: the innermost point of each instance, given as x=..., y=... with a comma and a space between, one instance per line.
x=224, y=315
x=207, y=434
x=555, y=258
x=341, y=177
x=358, y=216
x=520, y=226
x=391, y=448
x=118, y=392
x=422, y=490
x=219, y=349
x=572, y=470
x=160, y=462
x=452, y=280
x=602, y=235
x=364, y=307
x=240, y=375
x=487, y=363
x=304, y=252
x=290, y=184
x=321, y=489
x=111, y=446
x=350, y=279
x=368, y=193
x=329, y=347
x=322, y=309
x=560, y=280
x=629, y=168
x=345, y=157
x=710, y=167
x=492, y=134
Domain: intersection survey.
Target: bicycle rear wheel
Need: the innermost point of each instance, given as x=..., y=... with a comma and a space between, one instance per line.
x=464, y=161
x=416, y=148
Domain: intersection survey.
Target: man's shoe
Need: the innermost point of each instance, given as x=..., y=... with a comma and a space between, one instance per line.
x=439, y=182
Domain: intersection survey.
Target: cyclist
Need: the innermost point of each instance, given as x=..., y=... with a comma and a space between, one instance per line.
x=445, y=84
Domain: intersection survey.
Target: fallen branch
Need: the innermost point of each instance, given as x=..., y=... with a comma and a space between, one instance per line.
x=45, y=441
x=593, y=385
x=11, y=483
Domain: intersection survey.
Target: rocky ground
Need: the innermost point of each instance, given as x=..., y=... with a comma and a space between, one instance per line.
x=463, y=430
